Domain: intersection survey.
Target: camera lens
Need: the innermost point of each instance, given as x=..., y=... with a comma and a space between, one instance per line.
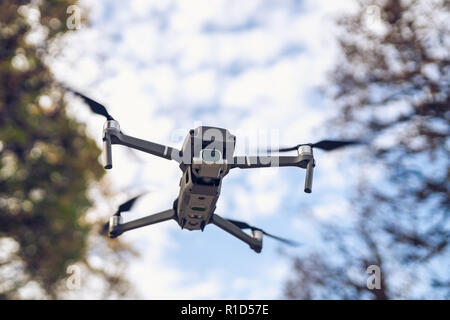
x=211, y=155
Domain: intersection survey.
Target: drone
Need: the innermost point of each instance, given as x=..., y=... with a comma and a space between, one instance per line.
x=206, y=157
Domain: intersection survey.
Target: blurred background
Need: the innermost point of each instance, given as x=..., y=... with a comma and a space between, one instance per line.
x=302, y=70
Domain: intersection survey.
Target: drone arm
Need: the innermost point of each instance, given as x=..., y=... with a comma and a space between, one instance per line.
x=113, y=135
x=229, y=227
x=245, y=162
x=156, y=149
x=303, y=160
x=116, y=229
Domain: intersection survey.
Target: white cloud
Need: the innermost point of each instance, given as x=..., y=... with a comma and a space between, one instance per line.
x=200, y=87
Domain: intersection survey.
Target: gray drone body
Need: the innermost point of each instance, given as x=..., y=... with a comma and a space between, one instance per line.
x=206, y=164
x=206, y=157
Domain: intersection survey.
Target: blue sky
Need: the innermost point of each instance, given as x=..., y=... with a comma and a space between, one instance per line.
x=164, y=67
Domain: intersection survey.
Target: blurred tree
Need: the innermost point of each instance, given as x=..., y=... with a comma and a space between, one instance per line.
x=391, y=85
x=47, y=165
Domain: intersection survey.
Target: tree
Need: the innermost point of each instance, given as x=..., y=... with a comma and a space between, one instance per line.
x=47, y=164
x=391, y=85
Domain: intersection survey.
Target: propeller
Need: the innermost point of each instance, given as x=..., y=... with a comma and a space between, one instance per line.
x=327, y=145
x=95, y=107
x=100, y=109
x=244, y=225
x=124, y=207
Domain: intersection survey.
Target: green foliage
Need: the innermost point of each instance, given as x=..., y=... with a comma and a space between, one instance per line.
x=47, y=161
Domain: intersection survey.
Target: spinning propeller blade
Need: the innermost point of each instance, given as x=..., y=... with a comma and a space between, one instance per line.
x=124, y=207
x=244, y=225
x=327, y=145
x=334, y=144
x=93, y=105
x=99, y=109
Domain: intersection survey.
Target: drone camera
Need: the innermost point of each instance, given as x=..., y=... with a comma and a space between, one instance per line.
x=211, y=156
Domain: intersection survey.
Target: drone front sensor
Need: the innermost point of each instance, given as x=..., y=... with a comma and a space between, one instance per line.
x=206, y=157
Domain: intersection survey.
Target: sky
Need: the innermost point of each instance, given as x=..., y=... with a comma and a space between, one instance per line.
x=253, y=67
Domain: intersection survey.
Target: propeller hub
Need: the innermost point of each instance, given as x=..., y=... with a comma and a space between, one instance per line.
x=114, y=221
x=257, y=234
x=111, y=124
x=305, y=151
